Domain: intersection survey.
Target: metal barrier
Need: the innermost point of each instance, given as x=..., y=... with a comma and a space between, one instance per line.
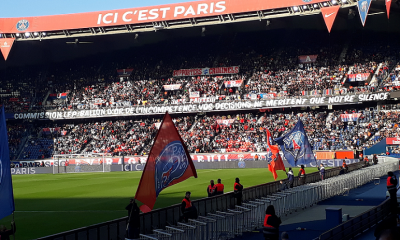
x=214, y=215
x=250, y=215
x=358, y=224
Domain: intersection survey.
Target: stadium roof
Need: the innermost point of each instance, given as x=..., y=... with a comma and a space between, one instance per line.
x=170, y=16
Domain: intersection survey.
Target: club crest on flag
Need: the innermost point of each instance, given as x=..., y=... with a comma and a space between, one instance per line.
x=171, y=164
x=293, y=142
x=268, y=156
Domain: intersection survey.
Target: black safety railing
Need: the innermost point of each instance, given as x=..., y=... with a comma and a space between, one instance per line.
x=358, y=224
x=160, y=218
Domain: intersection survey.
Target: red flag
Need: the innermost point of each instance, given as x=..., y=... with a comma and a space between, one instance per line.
x=329, y=14
x=388, y=4
x=276, y=162
x=5, y=46
x=168, y=163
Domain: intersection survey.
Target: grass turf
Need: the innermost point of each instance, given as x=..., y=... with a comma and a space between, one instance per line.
x=46, y=204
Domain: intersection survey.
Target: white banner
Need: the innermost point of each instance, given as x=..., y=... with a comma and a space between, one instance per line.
x=194, y=94
x=172, y=87
x=236, y=83
x=226, y=122
x=212, y=106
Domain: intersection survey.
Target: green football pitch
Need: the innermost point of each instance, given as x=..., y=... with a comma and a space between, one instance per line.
x=47, y=204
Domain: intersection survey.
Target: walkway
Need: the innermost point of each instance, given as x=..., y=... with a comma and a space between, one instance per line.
x=313, y=219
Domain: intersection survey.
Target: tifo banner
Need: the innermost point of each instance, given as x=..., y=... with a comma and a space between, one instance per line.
x=226, y=122
x=195, y=94
x=393, y=141
x=6, y=188
x=329, y=14
x=199, y=106
x=172, y=87
x=5, y=45
x=363, y=8
x=236, y=83
x=205, y=71
x=352, y=117
x=124, y=72
x=307, y=58
x=167, y=12
x=359, y=77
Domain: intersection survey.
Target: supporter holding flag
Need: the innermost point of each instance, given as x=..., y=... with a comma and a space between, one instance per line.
x=273, y=157
x=290, y=177
x=295, y=146
x=168, y=163
x=7, y=206
x=322, y=171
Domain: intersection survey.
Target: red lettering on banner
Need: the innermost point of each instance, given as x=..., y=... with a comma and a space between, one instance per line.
x=205, y=71
x=358, y=77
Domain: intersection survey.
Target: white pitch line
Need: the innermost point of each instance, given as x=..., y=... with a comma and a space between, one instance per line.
x=210, y=171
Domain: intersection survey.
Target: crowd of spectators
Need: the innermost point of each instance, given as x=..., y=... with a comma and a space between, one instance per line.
x=92, y=82
x=212, y=133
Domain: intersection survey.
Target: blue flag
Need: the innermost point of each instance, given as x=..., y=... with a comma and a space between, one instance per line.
x=363, y=8
x=6, y=191
x=295, y=146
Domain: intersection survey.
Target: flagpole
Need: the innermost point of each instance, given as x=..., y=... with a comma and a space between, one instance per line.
x=13, y=225
x=129, y=218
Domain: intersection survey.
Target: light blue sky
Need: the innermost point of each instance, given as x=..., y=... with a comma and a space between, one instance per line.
x=29, y=8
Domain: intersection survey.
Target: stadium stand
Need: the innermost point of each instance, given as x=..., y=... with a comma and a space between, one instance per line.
x=266, y=73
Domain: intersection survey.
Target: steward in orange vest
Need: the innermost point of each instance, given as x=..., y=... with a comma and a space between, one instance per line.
x=237, y=192
x=211, y=189
x=219, y=188
x=391, y=184
x=271, y=224
x=189, y=212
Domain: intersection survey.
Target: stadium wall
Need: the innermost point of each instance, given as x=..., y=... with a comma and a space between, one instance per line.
x=23, y=168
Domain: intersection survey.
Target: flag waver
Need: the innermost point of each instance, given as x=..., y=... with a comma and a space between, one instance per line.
x=168, y=163
x=273, y=157
x=7, y=206
x=295, y=146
